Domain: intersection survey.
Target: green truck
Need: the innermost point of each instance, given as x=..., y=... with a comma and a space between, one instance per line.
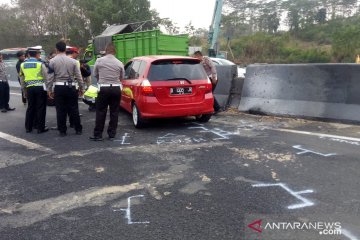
x=133, y=44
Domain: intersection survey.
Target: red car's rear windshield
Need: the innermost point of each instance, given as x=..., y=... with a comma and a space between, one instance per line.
x=176, y=69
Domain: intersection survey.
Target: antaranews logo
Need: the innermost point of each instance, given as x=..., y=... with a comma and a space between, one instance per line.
x=323, y=228
x=256, y=226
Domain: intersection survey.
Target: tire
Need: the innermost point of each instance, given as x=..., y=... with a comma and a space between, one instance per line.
x=138, y=121
x=203, y=118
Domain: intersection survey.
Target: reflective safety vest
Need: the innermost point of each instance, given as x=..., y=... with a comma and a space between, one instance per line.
x=91, y=93
x=32, y=70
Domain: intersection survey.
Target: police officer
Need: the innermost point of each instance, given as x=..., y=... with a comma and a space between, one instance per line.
x=72, y=52
x=109, y=71
x=33, y=75
x=90, y=97
x=4, y=89
x=64, y=72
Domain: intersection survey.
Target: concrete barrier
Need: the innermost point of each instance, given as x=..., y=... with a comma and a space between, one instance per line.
x=329, y=91
x=226, y=76
x=235, y=92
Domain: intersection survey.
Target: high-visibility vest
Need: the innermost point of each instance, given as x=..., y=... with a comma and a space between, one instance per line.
x=32, y=70
x=92, y=92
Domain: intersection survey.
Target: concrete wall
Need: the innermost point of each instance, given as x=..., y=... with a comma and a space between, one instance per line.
x=226, y=76
x=306, y=90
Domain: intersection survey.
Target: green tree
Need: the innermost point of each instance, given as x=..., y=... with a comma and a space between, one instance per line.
x=190, y=29
x=321, y=16
x=13, y=28
x=269, y=17
x=170, y=26
x=101, y=14
x=346, y=43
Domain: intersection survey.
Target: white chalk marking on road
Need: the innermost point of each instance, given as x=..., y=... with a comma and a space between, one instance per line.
x=128, y=211
x=348, y=234
x=198, y=140
x=305, y=202
x=318, y=134
x=29, y=213
x=25, y=143
x=18, y=94
x=171, y=138
x=303, y=151
x=123, y=139
x=217, y=131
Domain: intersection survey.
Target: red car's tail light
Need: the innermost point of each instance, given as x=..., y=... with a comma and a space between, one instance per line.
x=146, y=88
x=208, y=88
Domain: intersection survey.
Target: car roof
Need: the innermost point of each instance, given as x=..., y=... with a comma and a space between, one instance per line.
x=16, y=50
x=154, y=58
x=222, y=61
x=12, y=49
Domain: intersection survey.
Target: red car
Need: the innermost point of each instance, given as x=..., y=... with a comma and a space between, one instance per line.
x=166, y=87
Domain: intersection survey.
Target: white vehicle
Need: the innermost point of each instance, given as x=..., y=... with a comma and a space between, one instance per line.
x=9, y=54
x=221, y=61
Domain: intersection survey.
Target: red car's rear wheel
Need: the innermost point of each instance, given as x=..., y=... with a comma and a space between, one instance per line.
x=136, y=116
x=203, y=118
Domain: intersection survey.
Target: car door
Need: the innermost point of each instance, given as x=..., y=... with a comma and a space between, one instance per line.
x=126, y=94
x=133, y=72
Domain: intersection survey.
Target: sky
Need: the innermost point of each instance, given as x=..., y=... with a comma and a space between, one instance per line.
x=199, y=12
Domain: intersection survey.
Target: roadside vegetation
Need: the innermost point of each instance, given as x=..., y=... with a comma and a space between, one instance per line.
x=252, y=31
x=289, y=31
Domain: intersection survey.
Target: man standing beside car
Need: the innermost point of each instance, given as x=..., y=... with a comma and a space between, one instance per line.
x=212, y=74
x=109, y=72
x=63, y=72
x=21, y=58
x=4, y=88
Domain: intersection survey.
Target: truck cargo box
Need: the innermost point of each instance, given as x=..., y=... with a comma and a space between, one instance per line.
x=129, y=45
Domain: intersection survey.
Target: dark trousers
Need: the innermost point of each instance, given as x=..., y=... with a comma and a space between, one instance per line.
x=23, y=98
x=216, y=104
x=108, y=96
x=92, y=105
x=4, y=95
x=36, y=111
x=66, y=102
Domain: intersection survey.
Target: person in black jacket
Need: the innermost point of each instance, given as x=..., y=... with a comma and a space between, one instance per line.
x=21, y=58
x=85, y=72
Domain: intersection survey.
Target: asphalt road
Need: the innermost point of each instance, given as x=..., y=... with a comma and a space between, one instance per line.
x=177, y=179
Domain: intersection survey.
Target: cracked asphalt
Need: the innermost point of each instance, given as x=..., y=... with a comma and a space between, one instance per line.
x=177, y=179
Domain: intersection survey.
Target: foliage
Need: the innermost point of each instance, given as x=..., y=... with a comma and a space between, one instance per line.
x=38, y=22
x=316, y=30
x=272, y=31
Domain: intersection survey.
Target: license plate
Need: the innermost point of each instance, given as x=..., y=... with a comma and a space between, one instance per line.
x=181, y=90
